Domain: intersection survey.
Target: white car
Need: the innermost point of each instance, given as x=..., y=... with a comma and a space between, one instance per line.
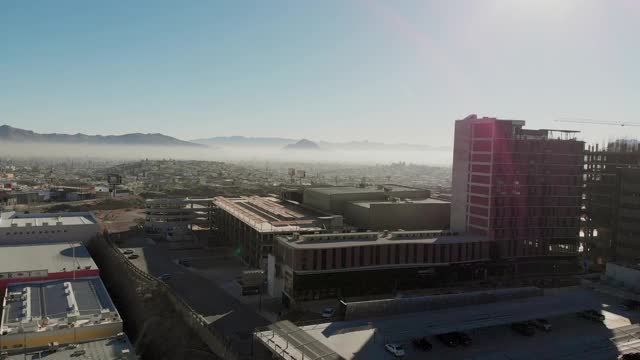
x=396, y=349
x=328, y=313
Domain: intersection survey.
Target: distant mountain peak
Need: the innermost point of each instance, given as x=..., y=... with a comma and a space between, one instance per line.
x=303, y=144
x=12, y=134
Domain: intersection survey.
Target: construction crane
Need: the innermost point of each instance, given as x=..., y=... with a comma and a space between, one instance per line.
x=595, y=122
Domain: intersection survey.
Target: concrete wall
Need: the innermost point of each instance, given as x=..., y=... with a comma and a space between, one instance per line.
x=48, y=234
x=402, y=215
x=62, y=336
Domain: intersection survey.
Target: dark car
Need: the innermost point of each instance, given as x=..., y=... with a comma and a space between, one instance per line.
x=462, y=338
x=422, y=344
x=591, y=315
x=448, y=340
x=523, y=329
x=133, y=256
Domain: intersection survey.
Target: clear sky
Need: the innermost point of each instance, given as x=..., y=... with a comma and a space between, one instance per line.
x=396, y=71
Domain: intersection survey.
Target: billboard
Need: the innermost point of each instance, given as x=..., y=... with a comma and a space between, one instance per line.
x=114, y=179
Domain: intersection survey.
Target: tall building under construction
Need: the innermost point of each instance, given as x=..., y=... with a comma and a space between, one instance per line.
x=601, y=195
x=520, y=187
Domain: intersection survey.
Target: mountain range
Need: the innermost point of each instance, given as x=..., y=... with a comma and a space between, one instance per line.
x=16, y=135
x=243, y=141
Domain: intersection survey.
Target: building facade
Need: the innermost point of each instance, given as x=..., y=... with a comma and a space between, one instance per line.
x=520, y=187
x=626, y=240
x=20, y=229
x=398, y=214
x=318, y=266
x=176, y=219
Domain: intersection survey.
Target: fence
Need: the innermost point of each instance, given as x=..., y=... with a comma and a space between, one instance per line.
x=216, y=342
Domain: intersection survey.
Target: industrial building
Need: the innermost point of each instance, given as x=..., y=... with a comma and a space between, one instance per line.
x=395, y=214
x=176, y=219
x=334, y=199
x=251, y=223
x=601, y=195
x=19, y=228
x=520, y=187
x=36, y=315
x=626, y=244
x=32, y=263
x=317, y=266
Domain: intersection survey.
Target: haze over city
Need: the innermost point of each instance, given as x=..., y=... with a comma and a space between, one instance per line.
x=327, y=180
x=333, y=71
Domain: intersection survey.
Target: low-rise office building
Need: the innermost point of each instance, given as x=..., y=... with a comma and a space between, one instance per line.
x=32, y=263
x=316, y=266
x=251, y=224
x=334, y=199
x=398, y=214
x=19, y=228
x=36, y=315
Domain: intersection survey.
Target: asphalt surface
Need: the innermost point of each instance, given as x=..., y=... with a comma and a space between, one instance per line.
x=231, y=318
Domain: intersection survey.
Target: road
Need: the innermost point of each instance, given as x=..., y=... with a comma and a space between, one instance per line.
x=233, y=318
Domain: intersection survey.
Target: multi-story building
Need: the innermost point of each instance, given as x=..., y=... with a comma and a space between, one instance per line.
x=334, y=199
x=317, y=266
x=396, y=214
x=601, y=193
x=251, y=223
x=520, y=187
x=20, y=229
x=626, y=240
x=176, y=219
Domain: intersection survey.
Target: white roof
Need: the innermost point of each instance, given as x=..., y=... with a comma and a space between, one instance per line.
x=51, y=257
x=10, y=219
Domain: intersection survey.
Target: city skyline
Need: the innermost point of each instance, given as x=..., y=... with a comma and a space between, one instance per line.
x=332, y=71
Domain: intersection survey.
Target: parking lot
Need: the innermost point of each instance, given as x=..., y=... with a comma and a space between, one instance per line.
x=571, y=337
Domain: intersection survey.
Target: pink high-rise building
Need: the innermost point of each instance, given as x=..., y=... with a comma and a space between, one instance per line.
x=519, y=187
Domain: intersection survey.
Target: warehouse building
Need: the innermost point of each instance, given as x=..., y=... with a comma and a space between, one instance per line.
x=398, y=214
x=317, y=266
x=334, y=199
x=32, y=263
x=19, y=228
x=251, y=224
x=36, y=315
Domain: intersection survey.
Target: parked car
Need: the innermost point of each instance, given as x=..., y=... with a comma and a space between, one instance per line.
x=462, y=338
x=185, y=263
x=541, y=324
x=164, y=277
x=128, y=252
x=523, y=329
x=448, y=339
x=396, y=349
x=328, y=312
x=591, y=315
x=422, y=344
x=133, y=256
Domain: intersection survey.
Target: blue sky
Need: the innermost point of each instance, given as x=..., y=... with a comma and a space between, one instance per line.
x=396, y=71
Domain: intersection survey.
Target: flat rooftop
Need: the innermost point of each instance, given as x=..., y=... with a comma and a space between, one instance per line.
x=365, y=339
x=13, y=219
x=50, y=257
x=314, y=241
x=367, y=204
x=358, y=190
x=81, y=302
x=103, y=349
x=271, y=214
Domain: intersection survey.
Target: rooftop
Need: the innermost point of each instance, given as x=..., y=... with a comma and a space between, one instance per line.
x=13, y=219
x=314, y=241
x=44, y=306
x=270, y=214
x=50, y=257
x=334, y=190
x=368, y=204
x=99, y=349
